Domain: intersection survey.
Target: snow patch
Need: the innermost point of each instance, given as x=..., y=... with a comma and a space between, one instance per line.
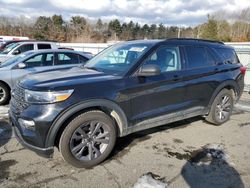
x=217, y=151
x=4, y=112
x=242, y=107
x=149, y=181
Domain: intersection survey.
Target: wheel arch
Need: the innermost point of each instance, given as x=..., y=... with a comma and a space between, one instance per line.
x=107, y=106
x=230, y=85
x=6, y=84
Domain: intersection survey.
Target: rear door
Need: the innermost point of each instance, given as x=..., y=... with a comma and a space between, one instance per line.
x=154, y=96
x=201, y=76
x=66, y=59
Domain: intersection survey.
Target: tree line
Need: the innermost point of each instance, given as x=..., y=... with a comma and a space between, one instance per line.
x=220, y=26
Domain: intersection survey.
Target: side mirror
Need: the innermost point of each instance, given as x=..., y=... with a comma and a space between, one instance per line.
x=149, y=70
x=21, y=65
x=16, y=52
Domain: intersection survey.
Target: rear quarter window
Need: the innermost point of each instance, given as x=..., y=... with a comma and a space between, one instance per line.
x=44, y=46
x=228, y=55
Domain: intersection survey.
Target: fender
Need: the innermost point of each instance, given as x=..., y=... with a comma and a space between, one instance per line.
x=230, y=83
x=117, y=113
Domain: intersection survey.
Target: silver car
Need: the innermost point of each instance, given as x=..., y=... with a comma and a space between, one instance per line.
x=35, y=61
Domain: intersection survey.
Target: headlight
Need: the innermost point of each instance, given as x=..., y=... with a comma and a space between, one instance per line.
x=47, y=97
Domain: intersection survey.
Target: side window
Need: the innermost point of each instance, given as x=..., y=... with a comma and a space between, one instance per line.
x=167, y=58
x=198, y=57
x=82, y=59
x=26, y=47
x=66, y=59
x=48, y=59
x=40, y=60
x=43, y=46
x=35, y=61
x=228, y=55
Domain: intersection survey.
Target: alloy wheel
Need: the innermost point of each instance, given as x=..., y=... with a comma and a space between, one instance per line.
x=89, y=141
x=224, y=108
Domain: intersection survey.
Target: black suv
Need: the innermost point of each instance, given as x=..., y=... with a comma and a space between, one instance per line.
x=128, y=87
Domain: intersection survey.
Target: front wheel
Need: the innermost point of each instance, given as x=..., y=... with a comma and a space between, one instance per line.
x=221, y=108
x=88, y=139
x=4, y=94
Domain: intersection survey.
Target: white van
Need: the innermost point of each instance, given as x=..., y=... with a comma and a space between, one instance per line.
x=21, y=47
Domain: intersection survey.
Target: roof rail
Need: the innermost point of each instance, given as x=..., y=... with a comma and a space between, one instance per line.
x=197, y=40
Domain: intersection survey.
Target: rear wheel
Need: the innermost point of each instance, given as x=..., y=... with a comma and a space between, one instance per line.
x=221, y=108
x=88, y=139
x=4, y=94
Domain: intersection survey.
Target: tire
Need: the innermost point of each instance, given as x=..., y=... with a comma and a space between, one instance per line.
x=221, y=108
x=4, y=94
x=88, y=139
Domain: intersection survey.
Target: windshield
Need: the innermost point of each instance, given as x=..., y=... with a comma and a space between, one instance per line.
x=119, y=58
x=9, y=47
x=14, y=59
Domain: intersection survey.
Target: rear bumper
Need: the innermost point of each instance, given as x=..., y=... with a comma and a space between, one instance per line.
x=44, y=152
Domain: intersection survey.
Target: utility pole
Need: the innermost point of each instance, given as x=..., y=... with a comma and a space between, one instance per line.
x=179, y=32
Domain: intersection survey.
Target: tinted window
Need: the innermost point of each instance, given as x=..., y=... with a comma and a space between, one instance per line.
x=26, y=47
x=167, y=58
x=40, y=60
x=228, y=55
x=198, y=57
x=82, y=59
x=44, y=46
x=66, y=59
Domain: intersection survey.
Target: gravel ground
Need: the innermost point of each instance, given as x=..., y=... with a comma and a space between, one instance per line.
x=189, y=153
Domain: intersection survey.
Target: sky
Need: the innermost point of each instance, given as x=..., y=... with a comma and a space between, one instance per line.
x=168, y=12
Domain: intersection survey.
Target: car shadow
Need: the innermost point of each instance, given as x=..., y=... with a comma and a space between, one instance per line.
x=124, y=144
x=5, y=132
x=209, y=168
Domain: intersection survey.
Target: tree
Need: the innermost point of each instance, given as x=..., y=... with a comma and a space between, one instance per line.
x=209, y=29
x=161, y=31
x=115, y=27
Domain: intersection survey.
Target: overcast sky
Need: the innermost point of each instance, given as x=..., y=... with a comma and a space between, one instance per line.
x=169, y=12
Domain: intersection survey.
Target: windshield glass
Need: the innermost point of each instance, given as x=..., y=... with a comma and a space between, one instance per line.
x=119, y=58
x=9, y=47
x=14, y=59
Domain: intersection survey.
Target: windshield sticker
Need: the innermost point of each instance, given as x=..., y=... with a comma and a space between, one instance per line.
x=137, y=49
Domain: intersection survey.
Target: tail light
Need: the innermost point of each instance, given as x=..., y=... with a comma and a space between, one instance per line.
x=243, y=70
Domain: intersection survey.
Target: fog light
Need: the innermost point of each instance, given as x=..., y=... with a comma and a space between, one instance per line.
x=28, y=124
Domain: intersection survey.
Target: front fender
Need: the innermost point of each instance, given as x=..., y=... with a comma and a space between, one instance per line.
x=118, y=114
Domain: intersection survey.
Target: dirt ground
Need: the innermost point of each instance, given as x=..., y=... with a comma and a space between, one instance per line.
x=189, y=153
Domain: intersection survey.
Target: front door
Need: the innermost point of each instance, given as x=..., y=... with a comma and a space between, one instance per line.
x=156, y=96
x=36, y=63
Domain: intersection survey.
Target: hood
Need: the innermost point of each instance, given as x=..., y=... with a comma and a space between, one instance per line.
x=62, y=79
x=4, y=57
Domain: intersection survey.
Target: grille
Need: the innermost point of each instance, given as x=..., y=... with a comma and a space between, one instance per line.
x=18, y=104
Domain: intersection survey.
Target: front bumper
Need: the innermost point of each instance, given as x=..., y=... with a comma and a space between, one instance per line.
x=19, y=131
x=44, y=152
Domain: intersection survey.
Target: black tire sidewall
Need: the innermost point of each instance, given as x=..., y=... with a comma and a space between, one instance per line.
x=64, y=145
x=7, y=94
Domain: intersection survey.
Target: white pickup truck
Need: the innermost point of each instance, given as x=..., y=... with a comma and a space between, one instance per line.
x=20, y=47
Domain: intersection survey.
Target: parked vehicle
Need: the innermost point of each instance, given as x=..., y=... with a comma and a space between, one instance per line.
x=126, y=88
x=21, y=47
x=8, y=38
x=35, y=61
x=5, y=44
